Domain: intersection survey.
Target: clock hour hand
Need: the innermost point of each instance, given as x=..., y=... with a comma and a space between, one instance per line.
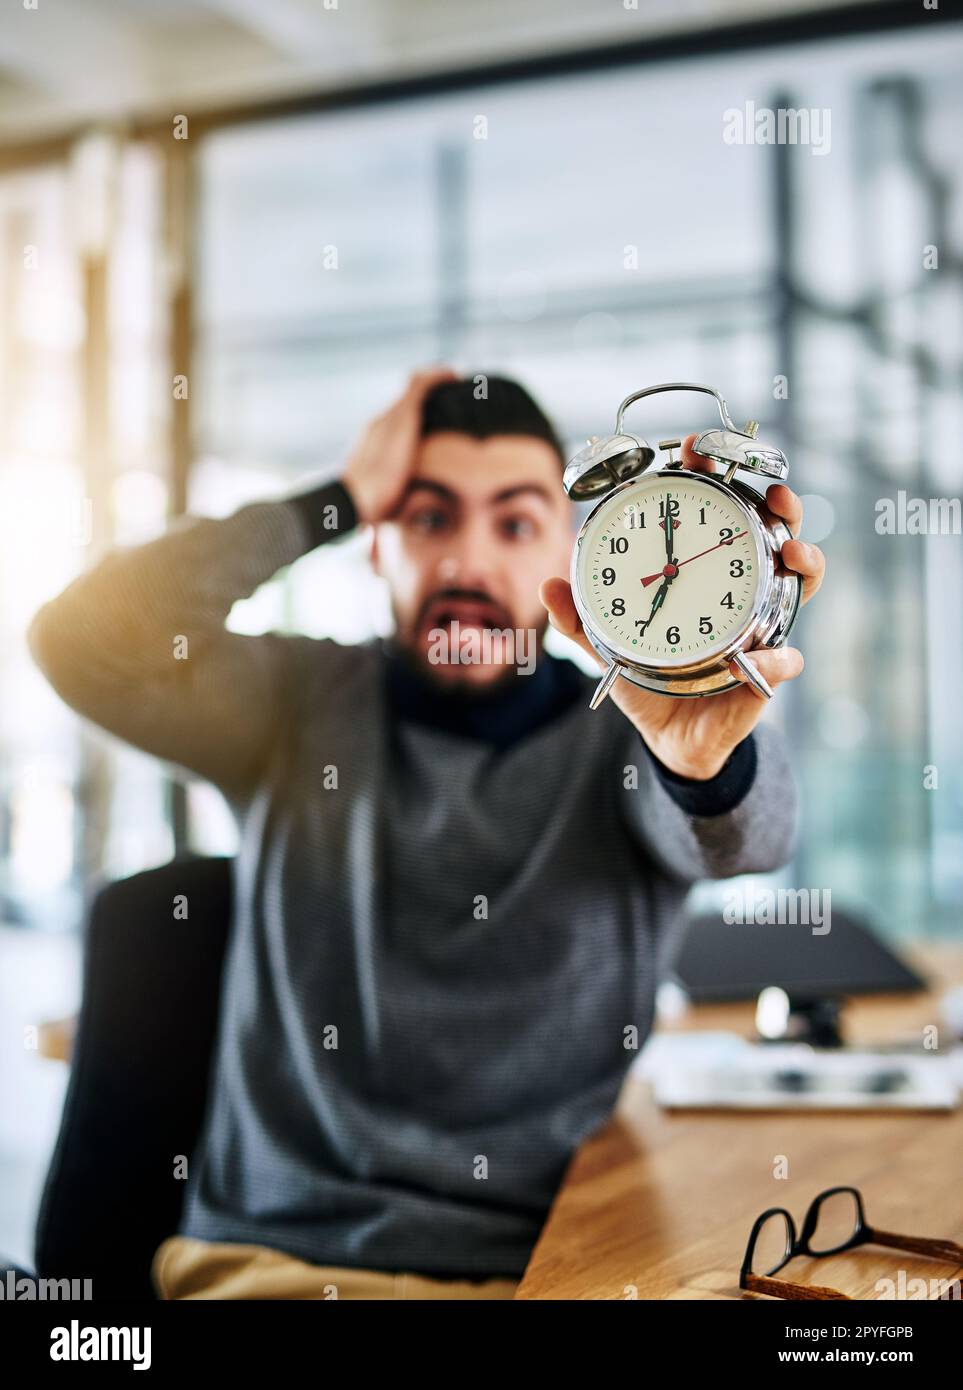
x=656, y=605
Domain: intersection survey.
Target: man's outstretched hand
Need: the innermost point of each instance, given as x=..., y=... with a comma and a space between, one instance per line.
x=381, y=463
x=694, y=738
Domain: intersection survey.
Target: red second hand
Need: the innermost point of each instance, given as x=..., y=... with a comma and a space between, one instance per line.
x=670, y=571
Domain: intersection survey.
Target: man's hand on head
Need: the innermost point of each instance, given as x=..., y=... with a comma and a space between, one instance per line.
x=381, y=462
x=695, y=738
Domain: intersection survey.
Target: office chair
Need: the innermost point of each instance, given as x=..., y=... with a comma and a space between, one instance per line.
x=139, y=1076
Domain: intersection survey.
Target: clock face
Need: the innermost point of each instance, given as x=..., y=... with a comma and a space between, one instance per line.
x=668, y=569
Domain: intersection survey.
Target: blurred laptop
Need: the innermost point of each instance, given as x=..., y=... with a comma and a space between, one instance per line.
x=716, y=961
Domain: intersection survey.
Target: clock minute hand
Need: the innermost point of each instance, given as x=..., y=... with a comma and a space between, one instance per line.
x=677, y=565
x=669, y=529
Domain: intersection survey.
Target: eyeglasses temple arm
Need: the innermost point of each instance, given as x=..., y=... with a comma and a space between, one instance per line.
x=782, y=1288
x=919, y=1245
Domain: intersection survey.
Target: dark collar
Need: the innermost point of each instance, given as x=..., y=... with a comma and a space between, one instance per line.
x=520, y=706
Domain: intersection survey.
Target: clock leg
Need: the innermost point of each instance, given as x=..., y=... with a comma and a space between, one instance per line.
x=605, y=685
x=758, y=682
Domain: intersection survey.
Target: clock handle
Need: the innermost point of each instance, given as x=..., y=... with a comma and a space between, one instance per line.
x=605, y=685
x=675, y=386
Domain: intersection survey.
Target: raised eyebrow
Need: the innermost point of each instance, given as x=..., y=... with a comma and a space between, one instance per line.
x=507, y=493
x=427, y=485
x=446, y=494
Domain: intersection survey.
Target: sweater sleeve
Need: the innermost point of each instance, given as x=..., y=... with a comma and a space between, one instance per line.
x=719, y=793
x=690, y=838
x=139, y=646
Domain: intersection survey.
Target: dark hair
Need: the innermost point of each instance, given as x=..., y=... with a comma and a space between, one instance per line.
x=504, y=408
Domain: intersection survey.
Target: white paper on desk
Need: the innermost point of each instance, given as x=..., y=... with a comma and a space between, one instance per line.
x=724, y=1071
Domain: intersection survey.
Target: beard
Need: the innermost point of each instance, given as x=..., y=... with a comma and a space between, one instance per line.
x=466, y=643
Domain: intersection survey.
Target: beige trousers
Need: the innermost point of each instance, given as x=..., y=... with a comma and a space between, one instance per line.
x=184, y=1267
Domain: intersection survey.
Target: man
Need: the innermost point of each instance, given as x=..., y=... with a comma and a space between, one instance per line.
x=453, y=876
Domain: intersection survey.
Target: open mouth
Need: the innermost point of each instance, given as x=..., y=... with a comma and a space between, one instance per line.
x=467, y=613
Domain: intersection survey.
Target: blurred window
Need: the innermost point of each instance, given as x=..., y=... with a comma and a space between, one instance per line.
x=589, y=234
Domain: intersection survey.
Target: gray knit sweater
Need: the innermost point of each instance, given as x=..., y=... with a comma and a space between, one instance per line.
x=443, y=955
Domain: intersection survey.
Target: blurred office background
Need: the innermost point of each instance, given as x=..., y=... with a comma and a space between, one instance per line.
x=535, y=188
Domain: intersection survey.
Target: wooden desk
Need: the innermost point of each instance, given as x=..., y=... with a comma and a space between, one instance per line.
x=659, y=1205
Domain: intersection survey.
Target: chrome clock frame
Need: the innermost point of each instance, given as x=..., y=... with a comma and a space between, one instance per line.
x=774, y=608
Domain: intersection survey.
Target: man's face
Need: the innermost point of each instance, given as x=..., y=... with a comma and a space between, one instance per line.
x=482, y=523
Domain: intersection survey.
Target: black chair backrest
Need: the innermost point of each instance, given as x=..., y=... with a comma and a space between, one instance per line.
x=139, y=1074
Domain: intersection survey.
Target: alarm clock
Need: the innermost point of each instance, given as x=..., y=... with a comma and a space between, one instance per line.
x=676, y=574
